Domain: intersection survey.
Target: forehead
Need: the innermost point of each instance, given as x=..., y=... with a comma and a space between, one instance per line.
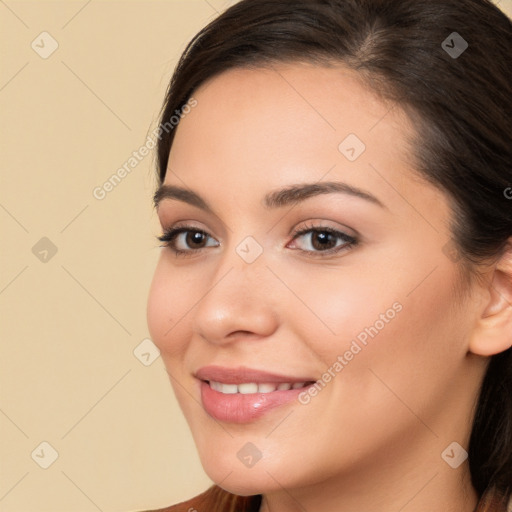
x=284, y=115
x=253, y=130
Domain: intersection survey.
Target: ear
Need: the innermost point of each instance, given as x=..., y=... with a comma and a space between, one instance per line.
x=493, y=329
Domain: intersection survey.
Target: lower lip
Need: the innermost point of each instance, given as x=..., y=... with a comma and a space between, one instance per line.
x=243, y=408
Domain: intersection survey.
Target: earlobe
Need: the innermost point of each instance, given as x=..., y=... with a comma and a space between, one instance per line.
x=493, y=329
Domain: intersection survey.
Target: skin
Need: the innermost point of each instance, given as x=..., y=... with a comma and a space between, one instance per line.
x=372, y=439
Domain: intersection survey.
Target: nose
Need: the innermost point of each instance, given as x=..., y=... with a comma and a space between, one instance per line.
x=239, y=301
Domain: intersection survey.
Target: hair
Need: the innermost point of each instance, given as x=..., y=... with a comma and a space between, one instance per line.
x=460, y=105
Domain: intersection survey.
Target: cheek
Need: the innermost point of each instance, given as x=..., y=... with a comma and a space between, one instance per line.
x=337, y=305
x=166, y=309
x=400, y=327
x=412, y=359
x=167, y=320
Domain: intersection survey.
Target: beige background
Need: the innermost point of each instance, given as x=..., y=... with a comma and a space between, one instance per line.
x=70, y=321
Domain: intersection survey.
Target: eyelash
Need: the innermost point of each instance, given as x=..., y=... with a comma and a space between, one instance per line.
x=169, y=236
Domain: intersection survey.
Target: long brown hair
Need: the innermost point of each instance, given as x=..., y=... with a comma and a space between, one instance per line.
x=448, y=64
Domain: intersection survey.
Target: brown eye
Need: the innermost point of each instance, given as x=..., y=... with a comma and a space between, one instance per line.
x=195, y=239
x=186, y=240
x=323, y=240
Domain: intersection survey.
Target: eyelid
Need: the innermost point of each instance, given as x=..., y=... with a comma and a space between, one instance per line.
x=319, y=224
x=188, y=225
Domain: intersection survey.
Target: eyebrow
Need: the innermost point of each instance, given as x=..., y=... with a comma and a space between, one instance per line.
x=275, y=199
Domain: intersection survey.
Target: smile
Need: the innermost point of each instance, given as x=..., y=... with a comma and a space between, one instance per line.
x=242, y=395
x=247, y=388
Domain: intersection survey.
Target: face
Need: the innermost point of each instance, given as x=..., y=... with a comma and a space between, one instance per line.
x=348, y=293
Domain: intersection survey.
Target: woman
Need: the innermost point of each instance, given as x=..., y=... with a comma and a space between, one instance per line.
x=333, y=303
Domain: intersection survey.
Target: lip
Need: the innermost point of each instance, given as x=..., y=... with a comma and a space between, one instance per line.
x=244, y=408
x=243, y=374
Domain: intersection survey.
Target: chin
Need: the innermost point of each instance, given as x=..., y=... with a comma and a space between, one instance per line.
x=247, y=485
x=234, y=477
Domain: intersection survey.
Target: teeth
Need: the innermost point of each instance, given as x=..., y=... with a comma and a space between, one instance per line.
x=215, y=385
x=247, y=387
x=252, y=387
x=266, y=388
x=229, y=389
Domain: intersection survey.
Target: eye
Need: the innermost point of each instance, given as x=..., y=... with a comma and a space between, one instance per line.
x=319, y=240
x=185, y=240
x=323, y=240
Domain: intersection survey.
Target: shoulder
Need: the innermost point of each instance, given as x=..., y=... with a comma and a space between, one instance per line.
x=214, y=499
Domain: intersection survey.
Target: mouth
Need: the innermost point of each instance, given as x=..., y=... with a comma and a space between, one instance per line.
x=247, y=388
x=242, y=395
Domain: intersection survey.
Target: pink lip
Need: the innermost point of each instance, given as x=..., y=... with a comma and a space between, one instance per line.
x=243, y=408
x=243, y=374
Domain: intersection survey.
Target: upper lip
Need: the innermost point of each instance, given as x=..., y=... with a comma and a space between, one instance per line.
x=242, y=374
